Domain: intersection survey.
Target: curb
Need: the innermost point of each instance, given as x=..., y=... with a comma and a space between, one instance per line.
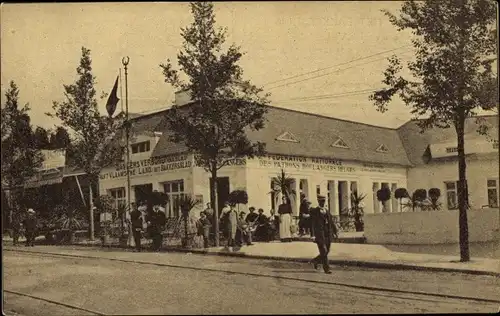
x=355, y=263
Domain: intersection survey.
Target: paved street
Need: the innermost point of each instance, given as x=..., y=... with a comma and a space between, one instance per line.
x=112, y=287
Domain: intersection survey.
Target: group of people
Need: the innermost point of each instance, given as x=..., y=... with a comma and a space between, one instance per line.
x=27, y=225
x=149, y=219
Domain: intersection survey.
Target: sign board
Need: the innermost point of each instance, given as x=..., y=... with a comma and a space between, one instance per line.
x=53, y=159
x=148, y=166
x=303, y=163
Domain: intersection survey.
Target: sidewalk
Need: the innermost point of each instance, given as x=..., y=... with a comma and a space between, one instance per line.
x=362, y=255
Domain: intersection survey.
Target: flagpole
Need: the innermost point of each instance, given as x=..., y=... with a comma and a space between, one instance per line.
x=125, y=61
x=121, y=90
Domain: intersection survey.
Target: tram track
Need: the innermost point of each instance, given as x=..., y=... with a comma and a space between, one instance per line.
x=360, y=289
x=38, y=298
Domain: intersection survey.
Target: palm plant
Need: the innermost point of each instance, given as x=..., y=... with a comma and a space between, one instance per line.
x=356, y=211
x=187, y=203
x=70, y=222
x=283, y=184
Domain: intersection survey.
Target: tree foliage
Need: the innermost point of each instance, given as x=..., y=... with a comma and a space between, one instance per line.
x=42, y=138
x=20, y=157
x=92, y=144
x=453, y=77
x=225, y=105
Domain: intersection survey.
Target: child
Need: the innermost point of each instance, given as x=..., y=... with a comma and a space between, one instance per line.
x=205, y=228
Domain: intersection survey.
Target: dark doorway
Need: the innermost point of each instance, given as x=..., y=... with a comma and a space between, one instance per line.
x=142, y=192
x=222, y=190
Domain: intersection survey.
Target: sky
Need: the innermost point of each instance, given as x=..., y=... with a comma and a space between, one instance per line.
x=41, y=48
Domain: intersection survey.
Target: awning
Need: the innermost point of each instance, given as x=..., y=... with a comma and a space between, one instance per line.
x=40, y=183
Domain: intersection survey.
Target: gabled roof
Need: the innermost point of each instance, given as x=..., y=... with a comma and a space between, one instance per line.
x=416, y=143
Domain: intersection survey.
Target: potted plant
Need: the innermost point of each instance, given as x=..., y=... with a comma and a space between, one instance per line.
x=283, y=184
x=69, y=224
x=416, y=200
x=356, y=212
x=434, y=195
x=187, y=203
x=238, y=197
x=384, y=195
x=121, y=212
x=400, y=194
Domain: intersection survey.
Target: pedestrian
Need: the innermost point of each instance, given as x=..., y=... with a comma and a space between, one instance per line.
x=136, y=221
x=210, y=214
x=305, y=217
x=158, y=225
x=205, y=226
x=30, y=226
x=285, y=211
x=324, y=230
x=16, y=229
x=262, y=226
x=251, y=221
x=230, y=218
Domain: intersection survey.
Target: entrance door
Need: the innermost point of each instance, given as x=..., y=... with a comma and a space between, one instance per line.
x=222, y=190
x=142, y=192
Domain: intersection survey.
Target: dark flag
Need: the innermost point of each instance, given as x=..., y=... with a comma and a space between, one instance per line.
x=112, y=100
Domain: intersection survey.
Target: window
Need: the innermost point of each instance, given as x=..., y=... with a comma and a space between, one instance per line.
x=450, y=150
x=382, y=148
x=119, y=196
x=287, y=137
x=175, y=191
x=492, y=193
x=339, y=143
x=140, y=147
x=451, y=195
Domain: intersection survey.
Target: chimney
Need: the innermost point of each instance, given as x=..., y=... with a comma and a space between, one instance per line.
x=182, y=97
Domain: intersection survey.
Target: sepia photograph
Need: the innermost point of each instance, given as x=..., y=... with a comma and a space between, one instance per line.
x=249, y=158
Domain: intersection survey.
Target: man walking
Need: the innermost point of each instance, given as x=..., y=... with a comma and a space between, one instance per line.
x=136, y=222
x=324, y=229
x=29, y=224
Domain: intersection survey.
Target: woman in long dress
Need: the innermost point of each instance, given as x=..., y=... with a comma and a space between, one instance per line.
x=285, y=212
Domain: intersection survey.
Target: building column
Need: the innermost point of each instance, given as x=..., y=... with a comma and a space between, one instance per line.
x=348, y=194
x=334, y=199
x=323, y=189
x=311, y=192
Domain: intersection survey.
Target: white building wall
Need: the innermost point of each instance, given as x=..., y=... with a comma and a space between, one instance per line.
x=480, y=168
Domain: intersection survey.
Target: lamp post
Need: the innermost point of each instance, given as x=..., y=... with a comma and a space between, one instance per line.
x=125, y=61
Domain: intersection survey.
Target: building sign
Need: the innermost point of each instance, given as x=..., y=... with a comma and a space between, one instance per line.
x=373, y=168
x=303, y=163
x=148, y=166
x=53, y=159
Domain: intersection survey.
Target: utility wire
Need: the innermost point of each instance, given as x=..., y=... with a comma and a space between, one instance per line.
x=328, y=96
x=326, y=74
x=329, y=67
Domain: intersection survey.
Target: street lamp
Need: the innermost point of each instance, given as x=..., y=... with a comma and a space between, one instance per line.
x=125, y=62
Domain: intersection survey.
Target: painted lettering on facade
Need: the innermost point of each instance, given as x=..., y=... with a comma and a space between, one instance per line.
x=373, y=168
x=147, y=166
x=302, y=163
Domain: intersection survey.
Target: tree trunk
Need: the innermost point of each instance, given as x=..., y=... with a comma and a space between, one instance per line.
x=215, y=204
x=462, y=199
x=91, y=203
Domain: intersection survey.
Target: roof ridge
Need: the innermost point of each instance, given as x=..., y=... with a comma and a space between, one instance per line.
x=331, y=117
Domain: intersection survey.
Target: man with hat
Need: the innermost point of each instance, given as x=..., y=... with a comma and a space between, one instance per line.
x=29, y=224
x=323, y=230
x=305, y=217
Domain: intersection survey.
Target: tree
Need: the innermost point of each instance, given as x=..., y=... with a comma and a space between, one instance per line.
x=93, y=147
x=455, y=46
x=41, y=137
x=20, y=157
x=60, y=138
x=224, y=105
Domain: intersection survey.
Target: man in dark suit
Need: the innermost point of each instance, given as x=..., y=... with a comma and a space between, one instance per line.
x=158, y=221
x=324, y=230
x=136, y=222
x=30, y=226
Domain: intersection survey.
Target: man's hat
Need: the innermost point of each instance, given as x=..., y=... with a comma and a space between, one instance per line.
x=321, y=198
x=31, y=211
x=251, y=208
